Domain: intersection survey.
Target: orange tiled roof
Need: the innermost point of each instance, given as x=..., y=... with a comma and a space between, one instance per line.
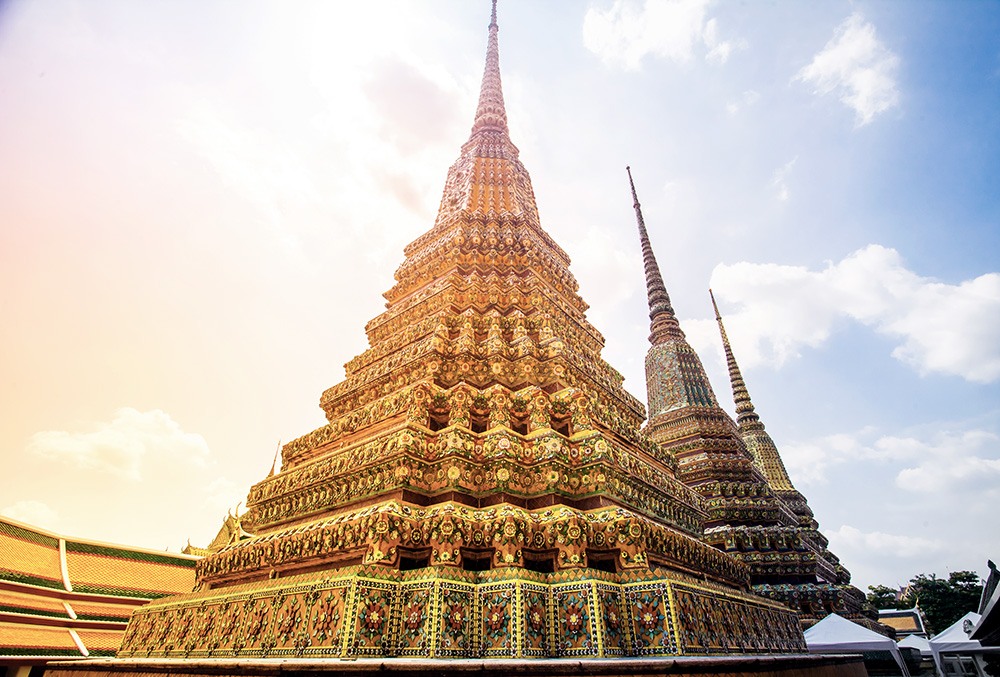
x=117, y=571
x=106, y=582
x=903, y=621
x=27, y=556
x=100, y=641
x=102, y=611
x=19, y=639
x=26, y=603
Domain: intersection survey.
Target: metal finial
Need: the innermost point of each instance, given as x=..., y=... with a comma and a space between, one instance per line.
x=631, y=183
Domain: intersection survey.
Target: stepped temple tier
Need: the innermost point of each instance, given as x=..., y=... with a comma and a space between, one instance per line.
x=484, y=486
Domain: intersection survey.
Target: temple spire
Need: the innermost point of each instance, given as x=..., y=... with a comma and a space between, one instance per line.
x=745, y=415
x=758, y=442
x=274, y=463
x=662, y=320
x=490, y=113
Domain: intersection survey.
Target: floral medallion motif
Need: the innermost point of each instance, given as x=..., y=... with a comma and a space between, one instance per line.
x=573, y=612
x=413, y=618
x=574, y=620
x=649, y=624
x=372, y=617
x=495, y=611
x=495, y=619
x=536, y=618
x=327, y=613
x=456, y=614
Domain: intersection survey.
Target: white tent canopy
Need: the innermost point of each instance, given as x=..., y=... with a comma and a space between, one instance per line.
x=917, y=642
x=955, y=640
x=836, y=634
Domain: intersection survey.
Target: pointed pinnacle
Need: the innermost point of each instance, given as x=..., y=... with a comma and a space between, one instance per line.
x=274, y=463
x=745, y=415
x=663, y=322
x=491, y=114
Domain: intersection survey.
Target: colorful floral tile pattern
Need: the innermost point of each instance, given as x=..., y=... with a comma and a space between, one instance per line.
x=575, y=632
x=649, y=614
x=614, y=629
x=447, y=612
x=371, y=613
x=498, y=609
x=538, y=620
x=710, y=623
x=416, y=617
x=457, y=615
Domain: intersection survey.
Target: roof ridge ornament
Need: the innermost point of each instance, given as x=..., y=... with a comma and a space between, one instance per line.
x=663, y=321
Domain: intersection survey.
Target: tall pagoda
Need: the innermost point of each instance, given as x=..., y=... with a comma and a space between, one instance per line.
x=484, y=486
x=754, y=512
x=819, y=584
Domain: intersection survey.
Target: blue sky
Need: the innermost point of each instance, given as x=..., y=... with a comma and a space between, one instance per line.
x=201, y=204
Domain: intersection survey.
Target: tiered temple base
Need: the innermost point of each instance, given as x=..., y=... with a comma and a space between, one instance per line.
x=444, y=612
x=706, y=666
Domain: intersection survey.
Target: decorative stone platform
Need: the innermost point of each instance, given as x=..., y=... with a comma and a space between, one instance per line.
x=714, y=666
x=444, y=612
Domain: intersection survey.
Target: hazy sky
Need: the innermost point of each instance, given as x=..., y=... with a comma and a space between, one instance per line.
x=202, y=202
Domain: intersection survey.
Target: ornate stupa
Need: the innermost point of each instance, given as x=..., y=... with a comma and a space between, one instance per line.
x=754, y=512
x=484, y=486
x=819, y=584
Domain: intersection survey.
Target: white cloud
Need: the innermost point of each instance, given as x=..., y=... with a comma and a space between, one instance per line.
x=222, y=494
x=259, y=167
x=745, y=100
x=851, y=539
x=925, y=496
x=941, y=463
x=627, y=32
x=125, y=446
x=808, y=462
x=719, y=51
x=599, y=251
x=950, y=463
x=941, y=328
x=779, y=180
x=857, y=67
x=34, y=513
x=921, y=496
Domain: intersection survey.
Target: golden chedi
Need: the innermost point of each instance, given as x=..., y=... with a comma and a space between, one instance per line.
x=483, y=486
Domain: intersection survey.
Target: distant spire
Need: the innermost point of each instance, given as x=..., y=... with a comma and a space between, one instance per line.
x=491, y=114
x=274, y=463
x=745, y=415
x=663, y=322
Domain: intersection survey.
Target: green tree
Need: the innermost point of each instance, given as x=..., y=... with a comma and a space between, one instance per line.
x=882, y=596
x=944, y=601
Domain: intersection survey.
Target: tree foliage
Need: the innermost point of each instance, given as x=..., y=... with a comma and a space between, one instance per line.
x=943, y=601
x=882, y=597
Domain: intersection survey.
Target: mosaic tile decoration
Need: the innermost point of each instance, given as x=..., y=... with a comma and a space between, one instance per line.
x=491, y=614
